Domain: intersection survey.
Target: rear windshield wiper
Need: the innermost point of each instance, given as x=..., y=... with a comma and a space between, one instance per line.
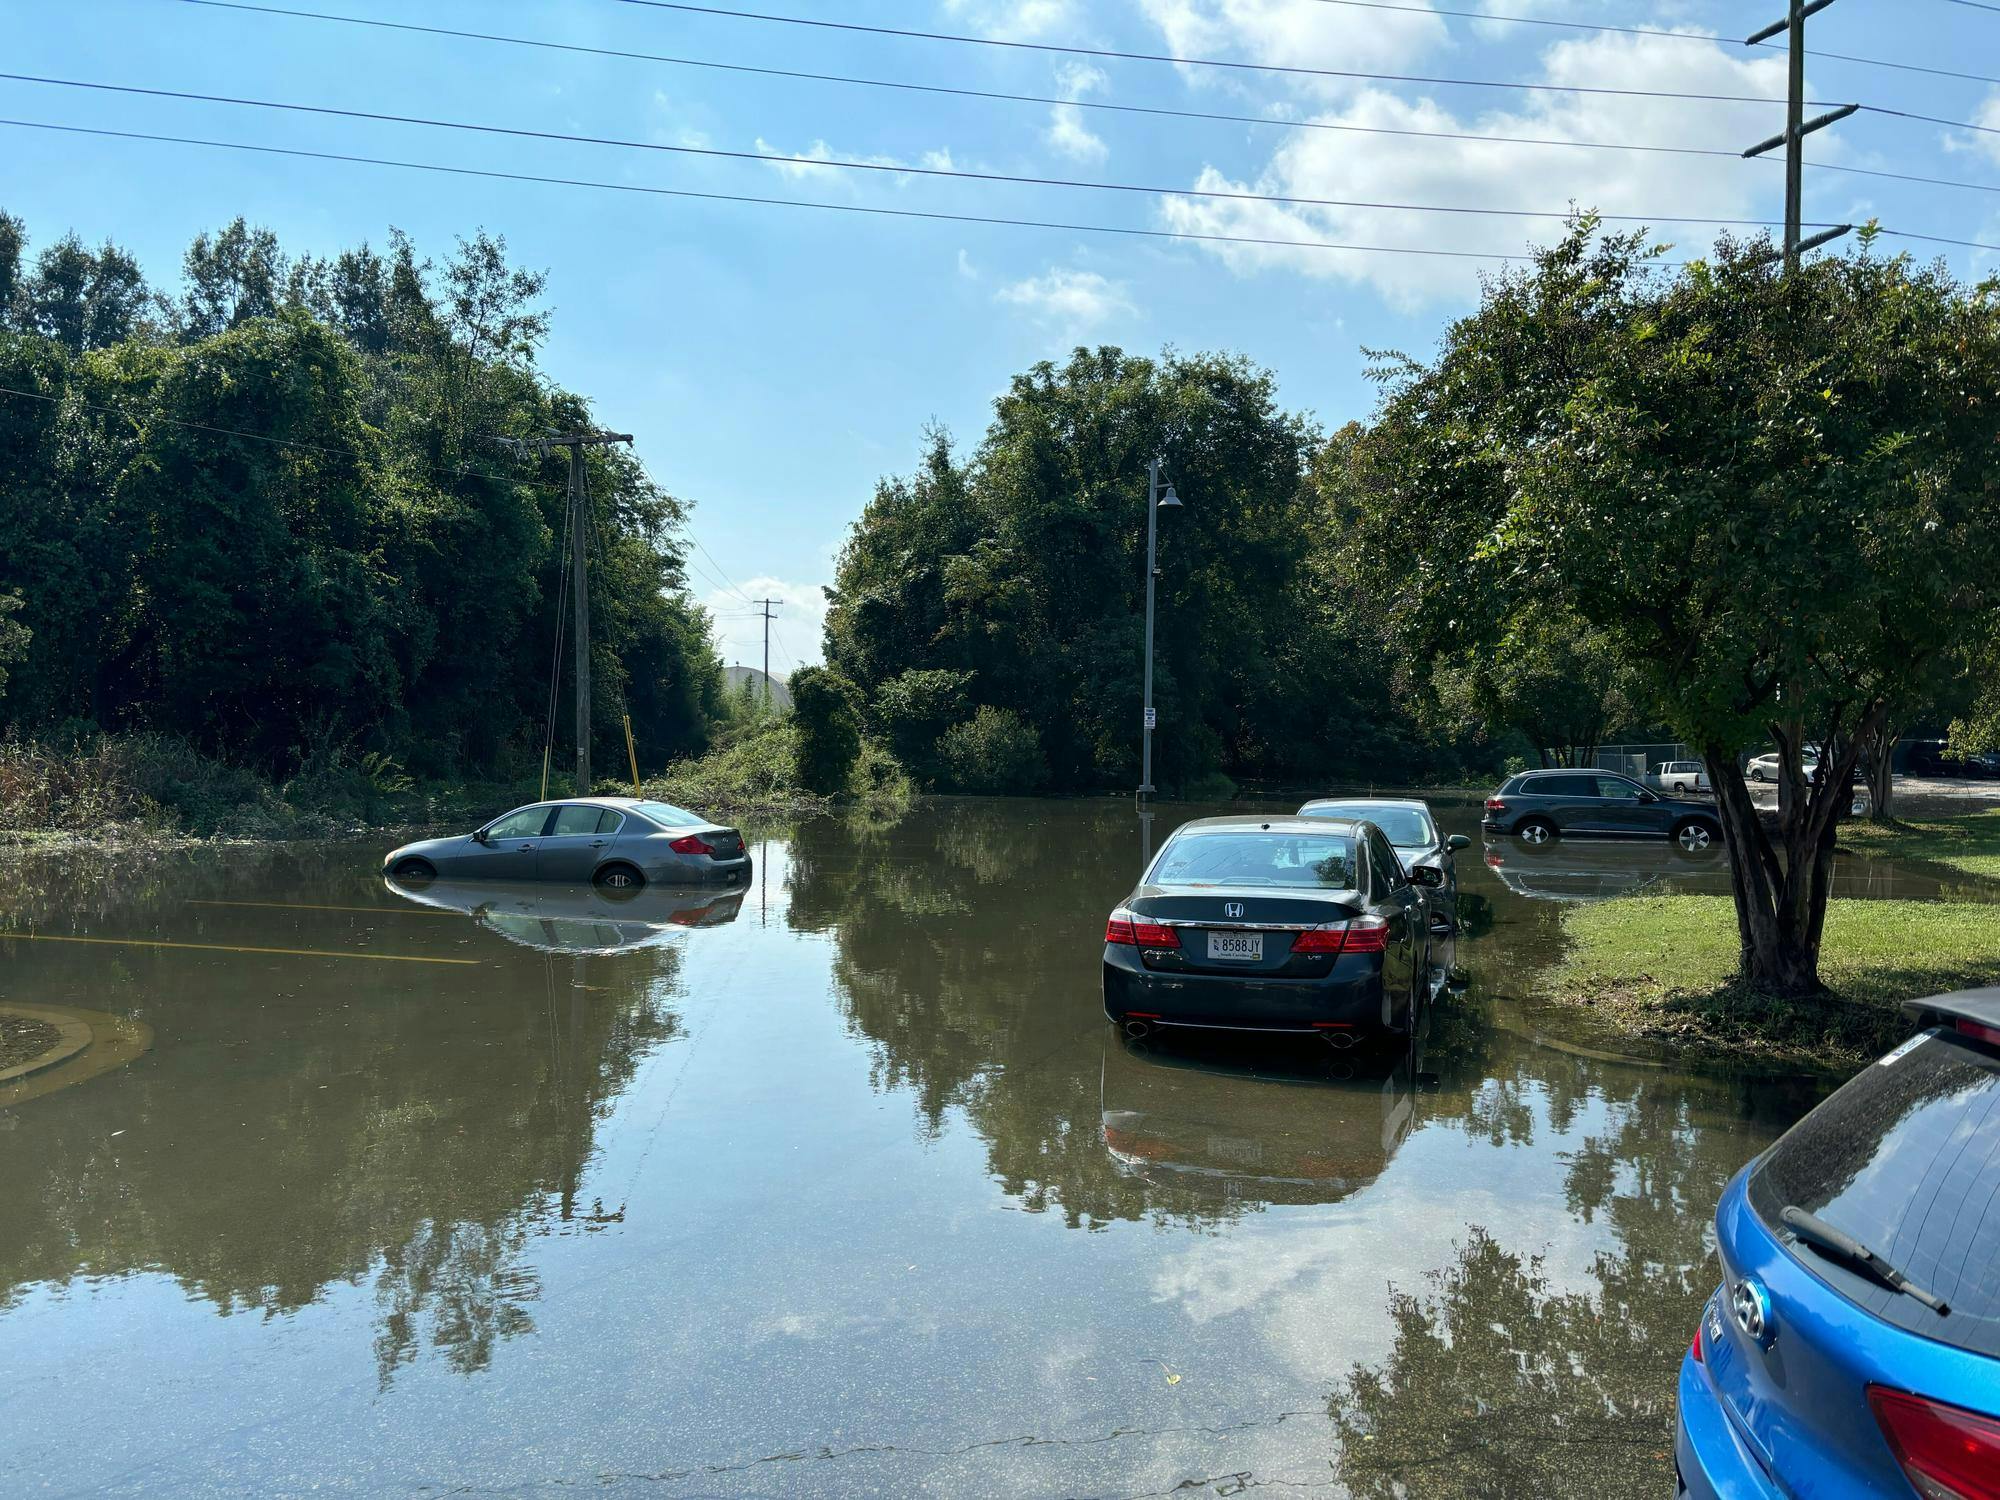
x=1839, y=1245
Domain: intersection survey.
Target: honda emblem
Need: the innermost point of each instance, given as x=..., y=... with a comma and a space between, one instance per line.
x=1232, y=908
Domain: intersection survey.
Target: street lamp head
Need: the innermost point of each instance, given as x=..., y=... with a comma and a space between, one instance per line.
x=1170, y=501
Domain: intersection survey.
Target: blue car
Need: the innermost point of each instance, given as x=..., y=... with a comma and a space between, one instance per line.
x=1853, y=1347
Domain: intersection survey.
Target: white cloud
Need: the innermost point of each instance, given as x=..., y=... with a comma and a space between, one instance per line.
x=1067, y=133
x=1293, y=34
x=1016, y=20
x=1071, y=299
x=966, y=268
x=1980, y=143
x=1493, y=175
x=797, y=623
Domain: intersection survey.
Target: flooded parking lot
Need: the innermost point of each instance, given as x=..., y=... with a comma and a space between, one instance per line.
x=837, y=1184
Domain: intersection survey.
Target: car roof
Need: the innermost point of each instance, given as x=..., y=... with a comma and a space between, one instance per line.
x=1275, y=823
x=1413, y=803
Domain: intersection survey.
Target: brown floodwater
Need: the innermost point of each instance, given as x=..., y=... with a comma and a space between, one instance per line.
x=839, y=1184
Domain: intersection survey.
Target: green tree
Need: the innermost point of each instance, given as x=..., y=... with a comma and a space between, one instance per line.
x=1552, y=677
x=826, y=715
x=1761, y=493
x=913, y=709
x=14, y=636
x=993, y=751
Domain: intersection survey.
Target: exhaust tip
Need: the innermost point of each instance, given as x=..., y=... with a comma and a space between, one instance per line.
x=1138, y=1030
x=1340, y=1041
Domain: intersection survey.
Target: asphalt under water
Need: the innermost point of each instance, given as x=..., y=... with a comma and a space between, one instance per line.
x=837, y=1185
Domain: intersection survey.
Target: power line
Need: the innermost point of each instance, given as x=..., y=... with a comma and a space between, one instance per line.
x=849, y=164
x=1903, y=114
x=1651, y=31
x=937, y=215
x=1099, y=105
x=870, y=210
x=1975, y=5
x=1191, y=62
x=353, y=455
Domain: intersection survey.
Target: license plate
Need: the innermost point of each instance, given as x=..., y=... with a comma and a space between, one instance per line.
x=1237, y=947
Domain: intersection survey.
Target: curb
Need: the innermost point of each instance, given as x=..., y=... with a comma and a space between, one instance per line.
x=73, y=1035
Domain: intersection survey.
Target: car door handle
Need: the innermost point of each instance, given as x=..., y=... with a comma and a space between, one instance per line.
x=599, y=843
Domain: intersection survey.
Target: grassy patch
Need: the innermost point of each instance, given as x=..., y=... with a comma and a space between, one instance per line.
x=1970, y=842
x=1663, y=968
x=753, y=771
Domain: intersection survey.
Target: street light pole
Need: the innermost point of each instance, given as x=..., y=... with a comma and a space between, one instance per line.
x=1155, y=503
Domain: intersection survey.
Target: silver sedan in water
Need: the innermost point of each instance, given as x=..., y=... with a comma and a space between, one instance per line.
x=621, y=843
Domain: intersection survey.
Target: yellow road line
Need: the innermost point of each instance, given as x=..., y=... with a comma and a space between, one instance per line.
x=391, y=958
x=380, y=911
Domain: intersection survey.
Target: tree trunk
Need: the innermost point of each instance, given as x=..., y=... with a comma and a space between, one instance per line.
x=1881, y=785
x=1781, y=889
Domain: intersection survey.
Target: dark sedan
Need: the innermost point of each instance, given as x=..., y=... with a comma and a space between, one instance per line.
x=1413, y=833
x=1541, y=805
x=1270, y=924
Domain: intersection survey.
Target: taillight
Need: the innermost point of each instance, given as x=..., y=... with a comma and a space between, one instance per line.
x=1987, y=1034
x=1129, y=930
x=692, y=844
x=1367, y=935
x=1320, y=940
x=1947, y=1452
x=1694, y=1349
x=1494, y=804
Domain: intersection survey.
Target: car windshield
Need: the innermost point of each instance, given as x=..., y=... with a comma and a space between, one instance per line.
x=1887, y=1160
x=1405, y=827
x=1325, y=861
x=667, y=815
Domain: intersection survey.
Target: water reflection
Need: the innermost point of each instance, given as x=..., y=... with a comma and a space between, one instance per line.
x=577, y=919
x=1599, y=869
x=1248, y=1125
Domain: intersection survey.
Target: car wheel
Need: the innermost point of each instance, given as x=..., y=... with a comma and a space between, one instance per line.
x=1694, y=836
x=1537, y=831
x=620, y=878
x=415, y=869
x=1756, y=773
x=1680, y=788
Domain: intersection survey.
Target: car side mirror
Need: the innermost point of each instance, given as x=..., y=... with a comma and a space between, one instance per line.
x=1458, y=841
x=481, y=836
x=1429, y=875
x=1648, y=797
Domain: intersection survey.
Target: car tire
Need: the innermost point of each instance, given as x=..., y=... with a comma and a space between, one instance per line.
x=1536, y=831
x=1756, y=774
x=415, y=869
x=1680, y=788
x=1696, y=837
x=619, y=877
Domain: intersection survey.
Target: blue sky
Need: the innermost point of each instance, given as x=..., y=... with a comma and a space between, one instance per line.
x=774, y=362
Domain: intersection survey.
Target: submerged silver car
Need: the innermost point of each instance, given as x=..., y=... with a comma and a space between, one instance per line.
x=621, y=843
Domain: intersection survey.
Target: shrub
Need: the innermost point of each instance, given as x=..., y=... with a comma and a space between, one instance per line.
x=913, y=709
x=826, y=719
x=996, y=750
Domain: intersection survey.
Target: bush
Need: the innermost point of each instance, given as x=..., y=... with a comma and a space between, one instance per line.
x=826, y=720
x=993, y=751
x=98, y=783
x=913, y=709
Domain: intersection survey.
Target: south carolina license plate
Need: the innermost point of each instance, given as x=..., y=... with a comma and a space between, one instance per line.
x=1239, y=947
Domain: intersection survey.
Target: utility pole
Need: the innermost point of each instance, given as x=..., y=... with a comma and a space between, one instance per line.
x=579, y=518
x=766, y=605
x=1797, y=128
x=1155, y=503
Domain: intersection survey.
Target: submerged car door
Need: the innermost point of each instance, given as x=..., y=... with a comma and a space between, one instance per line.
x=575, y=843
x=509, y=850
x=1628, y=809
x=1394, y=898
x=1573, y=802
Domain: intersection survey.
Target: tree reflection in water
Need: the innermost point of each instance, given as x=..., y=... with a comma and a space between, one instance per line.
x=299, y=1127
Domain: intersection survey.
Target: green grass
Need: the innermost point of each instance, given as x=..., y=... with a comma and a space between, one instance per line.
x=752, y=771
x=1970, y=843
x=1663, y=968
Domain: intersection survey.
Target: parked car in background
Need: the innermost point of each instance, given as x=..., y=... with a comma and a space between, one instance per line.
x=1541, y=805
x=1271, y=924
x=1413, y=833
x=1679, y=777
x=1853, y=1347
x=621, y=843
x=1765, y=767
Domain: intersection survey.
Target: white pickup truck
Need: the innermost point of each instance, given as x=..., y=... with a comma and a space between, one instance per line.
x=1679, y=777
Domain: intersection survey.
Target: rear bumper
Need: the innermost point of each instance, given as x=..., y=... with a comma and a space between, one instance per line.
x=1711, y=1460
x=1338, y=1002
x=699, y=869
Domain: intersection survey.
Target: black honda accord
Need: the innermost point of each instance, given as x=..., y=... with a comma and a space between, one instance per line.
x=1270, y=924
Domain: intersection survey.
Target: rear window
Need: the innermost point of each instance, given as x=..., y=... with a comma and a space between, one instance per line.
x=1405, y=827
x=667, y=815
x=1561, y=786
x=1906, y=1159
x=1325, y=861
